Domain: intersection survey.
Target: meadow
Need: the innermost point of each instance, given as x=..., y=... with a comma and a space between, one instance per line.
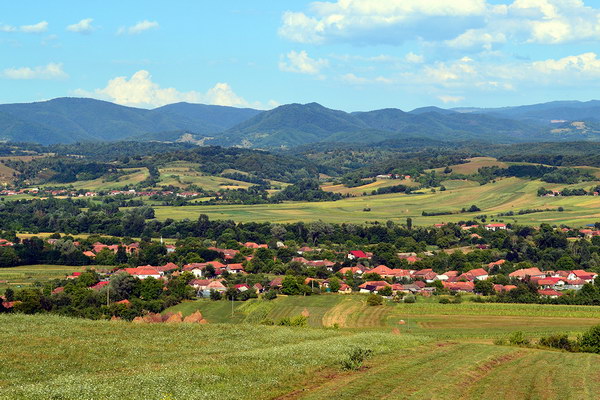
x=505, y=195
x=426, y=317
x=441, y=351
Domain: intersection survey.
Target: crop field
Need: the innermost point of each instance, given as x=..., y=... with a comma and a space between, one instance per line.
x=510, y=194
x=432, y=319
x=368, y=188
x=132, y=176
x=182, y=174
x=27, y=275
x=473, y=165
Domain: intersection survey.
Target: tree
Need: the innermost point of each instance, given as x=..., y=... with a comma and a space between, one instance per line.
x=214, y=295
x=9, y=294
x=8, y=257
x=485, y=287
x=123, y=286
x=290, y=285
x=385, y=291
x=270, y=295
x=409, y=223
x=590, y=340
x=151, y=288
x=334, y=284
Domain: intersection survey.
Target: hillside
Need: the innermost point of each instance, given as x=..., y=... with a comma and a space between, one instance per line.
x=67, y=120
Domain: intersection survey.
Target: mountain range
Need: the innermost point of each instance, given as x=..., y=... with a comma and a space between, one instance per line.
x=69, y=120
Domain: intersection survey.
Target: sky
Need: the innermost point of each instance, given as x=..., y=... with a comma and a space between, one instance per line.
x=352, y=55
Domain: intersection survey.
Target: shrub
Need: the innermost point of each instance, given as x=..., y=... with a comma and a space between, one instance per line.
x=518, y=339
x=355, y=358
x=297, y=321
x=270, y=295
x=410, y=299
x=558, y=341
x=444, y=300
x=374, y=300
x=589, y=342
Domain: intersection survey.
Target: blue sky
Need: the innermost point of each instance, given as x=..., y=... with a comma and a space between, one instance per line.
x=344, y=54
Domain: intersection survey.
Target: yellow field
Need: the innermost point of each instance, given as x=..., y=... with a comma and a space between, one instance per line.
x=359, y=190
x=473, y=165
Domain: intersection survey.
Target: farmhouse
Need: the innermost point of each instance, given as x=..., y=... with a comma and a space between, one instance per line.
x=495, y=227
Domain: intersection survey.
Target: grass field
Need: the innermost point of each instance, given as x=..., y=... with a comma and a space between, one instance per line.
x=441, y=321
x=441, y=352
x=368, y=188
x=510, y=194
x=26, y=275
x=132, y=176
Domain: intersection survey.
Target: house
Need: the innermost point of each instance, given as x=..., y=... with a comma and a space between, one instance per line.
x=170, y=248
x=198, y=268
x=58, y=290
x=276, y=283
x=99, y=285
x=345, y=289
x=479, y=274
x=168, y=267
x=495, y=227
x=382, y=271
x=356, y=254
x=199, y=284
x=575, y=284
x=358, y=270
x=217, y=286
x=496, y=264
x=551, y=283
x=587, y=276
x=242, y=287
x=503, y=288
x=235, y=268
x=89, y=254
x=144, y=272
x=527, y=272
x=549, y=293
x=258, y=287
x=252, y=245
x=306, y=249
x=468, y=287
x=373, y=286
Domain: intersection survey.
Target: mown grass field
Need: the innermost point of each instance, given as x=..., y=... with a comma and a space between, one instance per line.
x=511, y=194
x=27, y=275
x=132, y=176
x=441, y=352
x=473, y=165
x=426, y=317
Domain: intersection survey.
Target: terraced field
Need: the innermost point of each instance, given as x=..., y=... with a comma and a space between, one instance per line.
x=511, y=194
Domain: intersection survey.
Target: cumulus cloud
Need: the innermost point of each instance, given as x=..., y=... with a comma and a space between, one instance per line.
x=140, y=91
x=40, y=27
x=138, y=28
x=458, y=24
x=301, y=63
x=414, y=58
x=84, y=26
x=49, y=71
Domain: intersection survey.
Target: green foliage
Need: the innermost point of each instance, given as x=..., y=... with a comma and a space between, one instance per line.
x=298, y=321
x=355, y=358
x=374, y=300
x=590, y=340
x=518, y=339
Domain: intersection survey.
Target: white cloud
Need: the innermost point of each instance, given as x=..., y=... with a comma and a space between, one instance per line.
x=37, y=28
x=582, y=65
x=84, y=26
x=7, y=28
x=50, y=71
x=138, y=28
x=458, y=24
x=140, y=91
x=450, y=99
x=301, y=63
x=414, y=58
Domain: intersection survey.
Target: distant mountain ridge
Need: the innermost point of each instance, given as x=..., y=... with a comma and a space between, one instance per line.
x=69, y=120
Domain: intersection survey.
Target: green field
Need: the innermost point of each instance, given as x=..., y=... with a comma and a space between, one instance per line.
x=510, y=194
x=26, y=275
x=368, y=188
x=426, y=317
x=441, y=351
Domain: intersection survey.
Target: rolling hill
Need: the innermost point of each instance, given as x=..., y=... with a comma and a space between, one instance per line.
x=70, y=120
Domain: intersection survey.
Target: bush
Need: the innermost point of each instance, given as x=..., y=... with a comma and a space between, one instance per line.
x=270, y=295
x=558, y=341
x=444, y=300
x=374, y=300
x=297, y=321
x=589, y=342
x=355, y=358
x=518, y=339
x=410, y=299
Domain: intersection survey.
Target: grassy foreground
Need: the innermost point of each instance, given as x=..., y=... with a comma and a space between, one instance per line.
x=51, y=357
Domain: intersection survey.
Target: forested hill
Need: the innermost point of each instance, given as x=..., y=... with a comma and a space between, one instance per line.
x=70, y=120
